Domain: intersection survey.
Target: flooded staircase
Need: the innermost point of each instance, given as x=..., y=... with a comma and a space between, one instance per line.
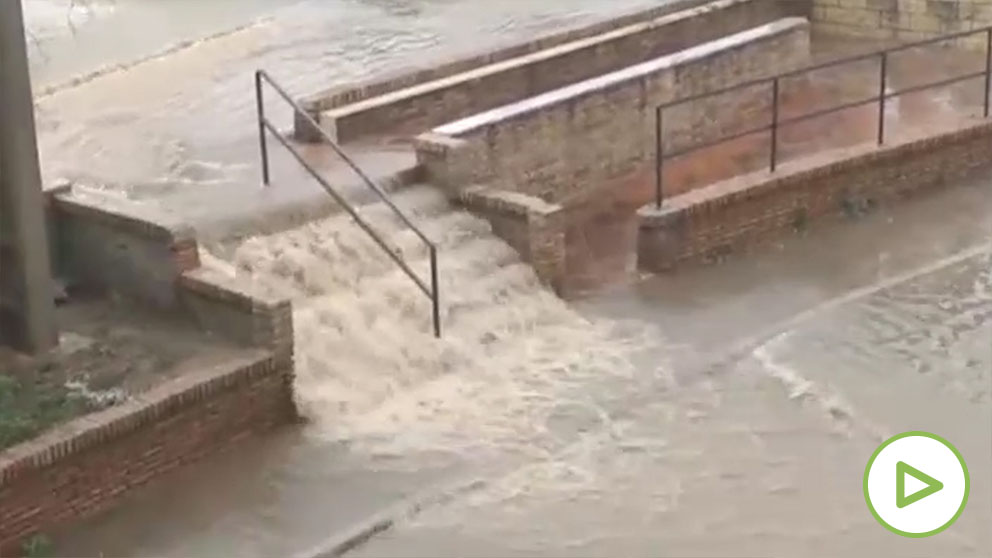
x=366, y=356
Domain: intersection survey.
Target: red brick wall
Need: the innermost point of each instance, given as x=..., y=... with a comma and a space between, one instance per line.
x=729, y=216
x=566, y=144
x=905, y=20
x=86, y=466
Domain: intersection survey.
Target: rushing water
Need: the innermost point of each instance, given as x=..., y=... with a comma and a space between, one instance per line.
x=186, y=120
x=711, y=413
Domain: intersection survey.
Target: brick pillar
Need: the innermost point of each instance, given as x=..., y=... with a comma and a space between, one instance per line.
x=546, y=236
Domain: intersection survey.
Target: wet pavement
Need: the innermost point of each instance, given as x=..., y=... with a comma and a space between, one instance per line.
x=187, y=120
x=732, y=416
x=719, y=411
x=787, y=369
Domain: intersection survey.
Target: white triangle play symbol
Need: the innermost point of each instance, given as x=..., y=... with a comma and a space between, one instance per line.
x=914, y=485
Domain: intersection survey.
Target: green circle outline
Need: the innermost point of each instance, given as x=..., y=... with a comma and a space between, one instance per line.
x=948, y=445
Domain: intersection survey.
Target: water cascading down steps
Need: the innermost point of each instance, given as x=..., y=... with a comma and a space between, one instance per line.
x=363, y=338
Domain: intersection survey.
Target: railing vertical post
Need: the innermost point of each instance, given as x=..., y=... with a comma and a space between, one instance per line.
x=774, y=149
x=435, y=294
x=988, y=68
x=260, y=112
x=882, y=76
x=659, y=160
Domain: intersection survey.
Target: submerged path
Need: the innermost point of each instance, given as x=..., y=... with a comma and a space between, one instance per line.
x=734, y=409
x=714, y=412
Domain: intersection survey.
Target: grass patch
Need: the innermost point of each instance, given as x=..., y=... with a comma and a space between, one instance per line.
x=38, y=546
x=29, y=408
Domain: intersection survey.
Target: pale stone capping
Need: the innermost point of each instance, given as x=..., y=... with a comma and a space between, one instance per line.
x=507, y=201
x=229, y=290
x=229, y=306
x=530, y=225
x=564, y=144
x=601, y=84
x=121, y=213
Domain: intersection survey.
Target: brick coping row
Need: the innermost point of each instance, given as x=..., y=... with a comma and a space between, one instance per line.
x=104, y=426
x=726, y=192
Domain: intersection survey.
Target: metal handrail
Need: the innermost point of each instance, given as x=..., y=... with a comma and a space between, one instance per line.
x=432, y=291
x=773, y=127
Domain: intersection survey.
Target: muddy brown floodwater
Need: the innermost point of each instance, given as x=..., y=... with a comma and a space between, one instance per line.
x=720, y=411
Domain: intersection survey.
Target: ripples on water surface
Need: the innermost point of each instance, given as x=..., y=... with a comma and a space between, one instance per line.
x=629, y=442
x=188, y=119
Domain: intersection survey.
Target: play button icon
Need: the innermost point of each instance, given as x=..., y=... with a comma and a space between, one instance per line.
x=916, y=484
x=930, y=485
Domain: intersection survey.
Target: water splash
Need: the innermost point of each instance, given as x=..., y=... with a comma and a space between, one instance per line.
x=512, y=372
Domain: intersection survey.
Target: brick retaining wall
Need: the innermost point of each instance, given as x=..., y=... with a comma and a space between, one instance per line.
x=708, y=223
x=117, y=245
x=88, y=464
x=415, y=109
x=566, y=143
x=905, y=20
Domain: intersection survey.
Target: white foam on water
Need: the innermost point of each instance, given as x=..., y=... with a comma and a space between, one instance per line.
x=824, y=397
x=512, y=357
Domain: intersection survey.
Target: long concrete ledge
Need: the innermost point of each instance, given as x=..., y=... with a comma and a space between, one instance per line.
x=709, y=223
x=565, y=143
x=424, y=104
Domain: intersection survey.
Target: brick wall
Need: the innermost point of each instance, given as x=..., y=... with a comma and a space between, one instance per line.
x=533, y=227
x=416, y=109
x=729, y=216
x=564, y=144
x=228, y=306
x=903, y=19
x=85, y=466
x=120, y=246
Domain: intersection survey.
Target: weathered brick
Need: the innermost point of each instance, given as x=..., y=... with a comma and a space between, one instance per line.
x=533, y=227
x=906, y=20
x=566, y=144
x=66, y=479
x=735, y=214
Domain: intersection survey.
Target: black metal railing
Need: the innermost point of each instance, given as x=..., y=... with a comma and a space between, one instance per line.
x=261, y=77
x=776, y=123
